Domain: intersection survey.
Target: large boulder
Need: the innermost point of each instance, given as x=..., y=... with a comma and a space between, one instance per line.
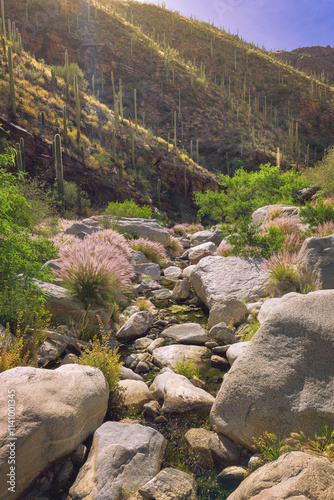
x=188, y=333
x=169, y=484
x=294, y=476
x=316, y=262
x=178, y=394
x=284, y=380
x=213, y=235
x=53, y=411
x=169, y=355
x=136, y=326
x=143, y=228
x=216, y=278
x=122, y=457
x=271, y=211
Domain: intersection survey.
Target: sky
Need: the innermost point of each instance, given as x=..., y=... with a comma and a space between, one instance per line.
x=274, y=24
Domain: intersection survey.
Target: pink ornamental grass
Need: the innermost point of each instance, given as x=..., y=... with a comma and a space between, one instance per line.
x=155, y=252
x=224, y=249
x=325, y=229
x=94, y=272
x=113, y=239
x=175, y=246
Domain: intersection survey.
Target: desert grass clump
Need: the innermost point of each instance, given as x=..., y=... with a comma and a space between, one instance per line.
x=99, y=355
x=287, y=225
x=282, y=269
x=175, y=246
x=62, y=240
x=153, y=251
x=94, y=272
x=184, y=229
x=293, y=243
x=113, y=239
x=224, y=249
x=324, y=229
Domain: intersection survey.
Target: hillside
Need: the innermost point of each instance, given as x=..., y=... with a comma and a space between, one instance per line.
x=236, y=100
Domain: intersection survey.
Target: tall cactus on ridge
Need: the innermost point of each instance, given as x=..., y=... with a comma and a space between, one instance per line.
x=3, y=19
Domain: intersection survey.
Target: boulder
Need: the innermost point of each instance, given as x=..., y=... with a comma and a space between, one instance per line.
x=81, y=230
x=198, y=255
x=267, y=307
x=211, y=247
x=235, y=350
x=284, y=380
x=181, y=290
x=169, y=355
x=187, y=333
x=213, y=235
x=294, y=476
x=178, y=394
x=169, y=484
x=187, y=271
x=136, y=326
x=128, y=374
x=316, y=262
x=224, y=451
x=137, y=257
x=222, y=334
x=162, y=295
x=50, y=350
x=262, y=214
x=134, y=394
x=216, y=278
x=143, y=228
x=230, y=311
x=55, y=411
x=122, y=457
x=198, y=445
x=152, y=270
x=173, y=273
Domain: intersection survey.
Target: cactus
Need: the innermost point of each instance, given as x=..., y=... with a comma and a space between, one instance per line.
x=191, y=149
x=278, y=158
x=11, y=82
x=102, y=82
x=159, y=193
x=65, y=125
x=59, y=171
x=20, y=44
x=175, y=138
x=133, y=149
x=53, y=77
x=9, y=31
x=114, y=143
x=4, y=48
x=168, y=139
x=77, y=106
x=43, y=119
x=120, y=99
x=136, y=118
x=197, y=151
x=67, y=69
x=3, y=19
x=113, y=86
x=116, y=113
x=93, y=85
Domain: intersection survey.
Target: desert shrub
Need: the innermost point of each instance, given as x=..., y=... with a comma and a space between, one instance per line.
x=100, y=356
x=287, y=225
x=143, y=304
x=248, y=241
x=270, y=446
x=155, y=252
x=282, y=268
x=318, y=214
x=185, y=228
x=322, y=175
x=252, y=328
x=175, y=246
x=128, y=209
x=95, y=272
x=73, y=70
x=247, y=191
x=293, y=243
x=113, y=239
x=185, y=368
x=224, y=249
x=76, y=200
x=40, y=207
x=324, y=229
x=62, y=240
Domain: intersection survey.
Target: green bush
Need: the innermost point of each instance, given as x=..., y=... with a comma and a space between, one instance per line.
x=322, y=175
x=185, y=368
x=128, y=209
x=247, y=191
x=318, y=214
x=73, y=70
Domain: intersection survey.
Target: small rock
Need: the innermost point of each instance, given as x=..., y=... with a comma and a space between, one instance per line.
x=134, y=394
x=170, y=484
x=152, y=410
x=173, y=273
x=231, y=477
x=181, y=290
x=198, y=445
x=136, y=326
x=224, y=451
x=198, y=255
x=161, y=295
x=78, y=457
x=228, y=311
x=222, y=334
x=187, y=271
x=187, y=333
x=219, y=362
x=142, y=343
x=235, y=350
x=150, y=269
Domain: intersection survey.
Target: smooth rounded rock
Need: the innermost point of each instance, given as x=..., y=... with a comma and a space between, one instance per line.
x=187, y=333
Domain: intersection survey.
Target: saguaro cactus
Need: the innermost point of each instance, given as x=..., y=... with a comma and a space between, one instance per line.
x=3, y=19
x=77, y=106
x=59, y=170
x=65, y=125
x=11, y=82
x=120, y=99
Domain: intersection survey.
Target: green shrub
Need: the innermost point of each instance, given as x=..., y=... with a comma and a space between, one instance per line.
x=247, y=191
x=185, y=368
x=322, y=175
x=73, y=70
x=318, y=214
x=100, y=356
x=128, y=209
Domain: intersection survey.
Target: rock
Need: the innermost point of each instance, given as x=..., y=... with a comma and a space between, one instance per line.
x=231, y=477
x=169, y=484
x=224, y=451
x=178, y=394
x=151, y=410
x=127, y=374
x=159, y=342
x=216, y=278
x=219, y=362
x=143, y=228
x=81, y=230
x=142, y=343
x=262, y=214
x=79, y=456
x=134, y=394
x=187, y=271
x=316, y=262
x=136, y=326
x=63, y=308
x=267, y=307
x=63, y=475
x=295, y=475
x=122, y=456
x=230, y=311
x=187, y=333
x=130, y=310
x=169, y=355
x=222, y=334
x=211, y=247
x=181, y=290
x=137, y=257
x=152, y=270
x=198, y=445
x=213, y=235
x=306, y=194
x=50, y=350
x=55, y=411
x=284, y=380
x=161, y=295
x=147, y=286
x=235, y=350
x=198, y=255
x=173, y=273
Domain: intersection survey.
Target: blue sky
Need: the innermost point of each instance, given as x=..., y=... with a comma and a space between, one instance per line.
x=276, y=24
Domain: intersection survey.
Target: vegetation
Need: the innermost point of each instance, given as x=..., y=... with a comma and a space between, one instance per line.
x=128, y=209
x=155, y=252
x=317, y=214
x=185, y=368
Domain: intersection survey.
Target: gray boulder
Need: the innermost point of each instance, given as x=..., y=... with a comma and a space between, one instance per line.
x=294, y=476
x=55, y=411
x=81, y=230
x=122, y=456
x=262, y=214
x=216, y=278
x=136, y=326
x=173, y=273
x=230, y=311
x=143, y=228
x=187, y=333
x=181, y=291
x=152, y=270
x=169, y=355
x=222, y=334
x=169, y=484
x=213, y=235
x=235, y=350
x=284, y=380
x=316, y=262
